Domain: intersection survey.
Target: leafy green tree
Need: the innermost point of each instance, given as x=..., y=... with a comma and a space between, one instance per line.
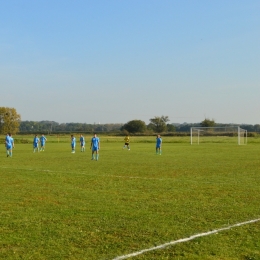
x=208, y=123
x=158, y=124
x=125, y=132
x=150, y=127
x=135, y=126
x=9, y=120
x=171, y=128
x=257, y=127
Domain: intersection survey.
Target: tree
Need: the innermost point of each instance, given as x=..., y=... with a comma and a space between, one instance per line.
x=171, y=128
x=9, y=120
x=207, y=123
x=257, y=127
x=158, y=124
x=135, y=126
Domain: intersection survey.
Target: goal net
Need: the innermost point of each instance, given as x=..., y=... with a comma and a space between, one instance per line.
x=228, y=134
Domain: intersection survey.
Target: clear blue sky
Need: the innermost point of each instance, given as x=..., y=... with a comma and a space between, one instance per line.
x=118, y=60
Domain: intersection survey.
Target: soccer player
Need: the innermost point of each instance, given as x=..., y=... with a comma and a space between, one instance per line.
x=95, y=145
x=9, y=144
x=12, y=144
x=127, y=141
x=158, y=145
x=36, y=143
x=43, y=139
x=73, y=143
x=82, y=143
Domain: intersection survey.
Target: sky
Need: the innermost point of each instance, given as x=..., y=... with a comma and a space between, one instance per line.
x=114, y=61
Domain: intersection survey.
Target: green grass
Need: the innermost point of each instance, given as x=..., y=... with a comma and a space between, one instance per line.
x=58, y=205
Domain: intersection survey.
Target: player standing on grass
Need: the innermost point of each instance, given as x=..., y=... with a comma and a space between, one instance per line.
x=82, y=143
x=158, y=145
x=127, y=141
x=9, y=144
x=43, y=139
x=73, y=143
x=12, y=142
x=95, y=145
x=36, y=143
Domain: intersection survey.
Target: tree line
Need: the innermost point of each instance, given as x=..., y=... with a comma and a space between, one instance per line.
x=53, y=127
x=10, y=121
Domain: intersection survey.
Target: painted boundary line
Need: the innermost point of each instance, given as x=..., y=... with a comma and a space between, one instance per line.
x=184, y=239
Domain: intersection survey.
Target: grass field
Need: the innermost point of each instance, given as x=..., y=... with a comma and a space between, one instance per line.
x=58, y=205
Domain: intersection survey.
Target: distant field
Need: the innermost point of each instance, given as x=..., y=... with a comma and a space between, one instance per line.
x=64, y=138
x=58, y=205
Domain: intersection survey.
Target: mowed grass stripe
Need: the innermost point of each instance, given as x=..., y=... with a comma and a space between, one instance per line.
x=175, y=180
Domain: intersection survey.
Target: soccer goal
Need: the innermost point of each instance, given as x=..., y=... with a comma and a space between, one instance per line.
x=227, y=134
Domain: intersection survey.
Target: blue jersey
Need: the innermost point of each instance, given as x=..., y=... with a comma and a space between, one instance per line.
x=95, y=142
x=158, y=141
x=12, y=141
x=73, y=141
x=8, y=142
x=7, y=139
x=43, y=140
x=82, y=140
x=36, y=140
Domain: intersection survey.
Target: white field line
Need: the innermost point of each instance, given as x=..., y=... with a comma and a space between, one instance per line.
x=184, y=240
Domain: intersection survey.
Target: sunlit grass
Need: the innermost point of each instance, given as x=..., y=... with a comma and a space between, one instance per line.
x=58, y=205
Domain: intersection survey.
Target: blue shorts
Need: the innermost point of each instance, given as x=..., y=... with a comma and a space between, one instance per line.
x=35, y=145
x=73, y=146
x=8, y=147
x=158, y=146
x=94, y=149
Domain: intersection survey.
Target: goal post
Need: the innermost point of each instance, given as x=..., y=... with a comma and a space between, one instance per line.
x=224, y=134
x=242, y=136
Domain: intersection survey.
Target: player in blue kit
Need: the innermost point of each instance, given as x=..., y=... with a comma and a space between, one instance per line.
x=12, y=144
x=158, y=145
x=95, y=145
x=43, y=139
x=36, y=143
x=73, y=143
x=9, y=144
x=82, y=143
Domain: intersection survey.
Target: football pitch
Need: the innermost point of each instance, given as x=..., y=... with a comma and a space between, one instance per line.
x=131, y=204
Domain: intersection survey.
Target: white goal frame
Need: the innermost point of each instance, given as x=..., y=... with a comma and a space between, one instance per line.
x=236, y=129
